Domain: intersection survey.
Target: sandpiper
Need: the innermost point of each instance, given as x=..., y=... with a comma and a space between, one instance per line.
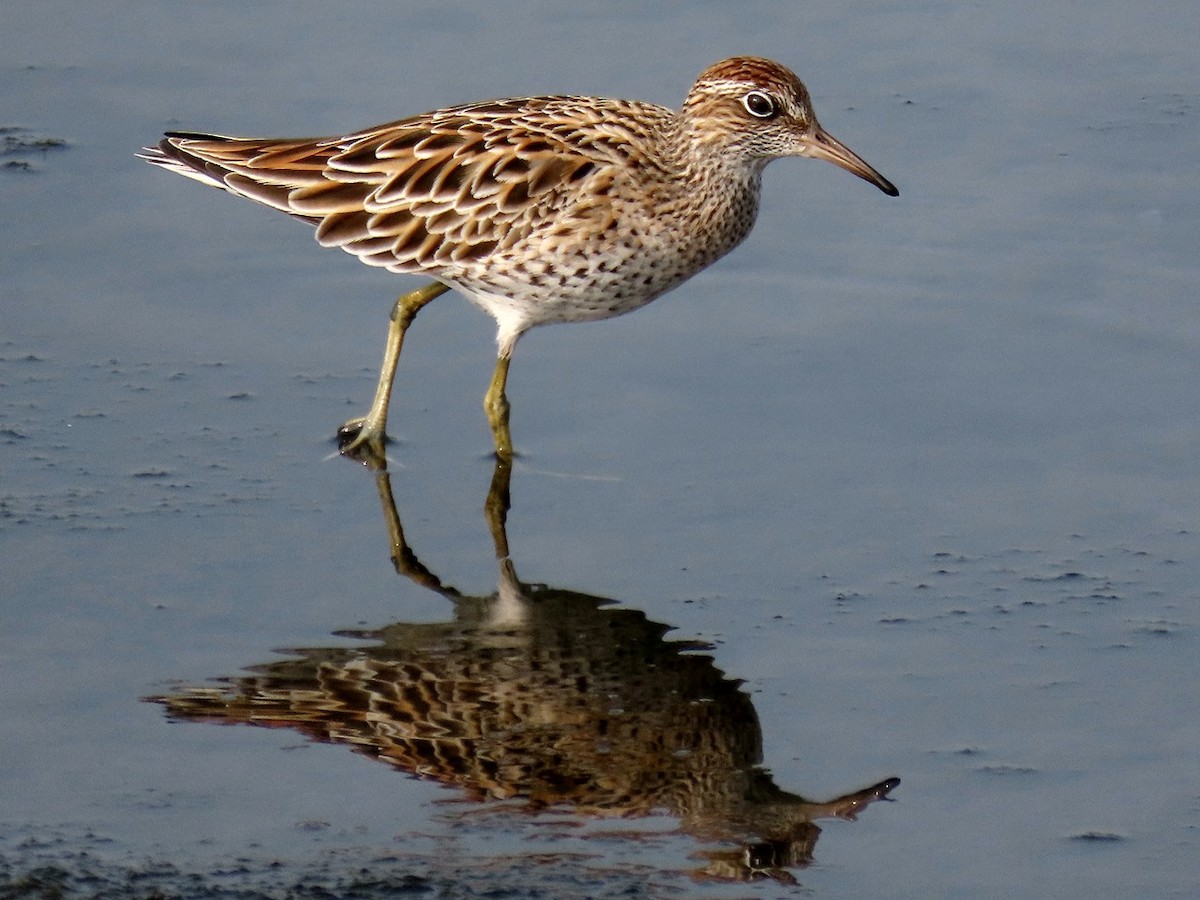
x=538, y=209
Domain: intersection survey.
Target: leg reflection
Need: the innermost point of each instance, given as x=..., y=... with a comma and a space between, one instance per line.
x=553, y=697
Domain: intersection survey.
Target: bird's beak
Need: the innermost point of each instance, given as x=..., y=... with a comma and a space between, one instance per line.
x=819, y=144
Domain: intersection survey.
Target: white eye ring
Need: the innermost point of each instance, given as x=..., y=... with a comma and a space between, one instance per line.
x=760, y=105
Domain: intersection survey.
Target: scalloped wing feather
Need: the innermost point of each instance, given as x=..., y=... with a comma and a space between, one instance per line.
x=431, y=192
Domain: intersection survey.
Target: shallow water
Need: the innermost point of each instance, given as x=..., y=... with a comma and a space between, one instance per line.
x=920, y=474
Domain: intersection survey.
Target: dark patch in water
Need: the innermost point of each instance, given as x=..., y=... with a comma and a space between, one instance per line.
x=41, y=864
x=20, y=143
x=1098, y=837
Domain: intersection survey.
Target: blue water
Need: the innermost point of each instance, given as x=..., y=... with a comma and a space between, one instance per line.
x=921, y=472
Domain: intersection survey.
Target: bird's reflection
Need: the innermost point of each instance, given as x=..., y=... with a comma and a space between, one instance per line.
x=546, y=696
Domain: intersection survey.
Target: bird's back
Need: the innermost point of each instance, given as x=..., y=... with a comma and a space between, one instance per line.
x=544, y=209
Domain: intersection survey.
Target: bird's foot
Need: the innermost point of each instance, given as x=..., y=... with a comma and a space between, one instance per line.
x=357, y=439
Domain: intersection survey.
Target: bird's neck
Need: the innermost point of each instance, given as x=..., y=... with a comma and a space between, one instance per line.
x=724, y=192
x=706, y=167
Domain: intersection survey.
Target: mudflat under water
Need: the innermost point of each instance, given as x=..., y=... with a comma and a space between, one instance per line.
x=900, y=489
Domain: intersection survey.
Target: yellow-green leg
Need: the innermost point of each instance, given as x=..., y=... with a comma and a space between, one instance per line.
x=364, y=438
x=495, y=404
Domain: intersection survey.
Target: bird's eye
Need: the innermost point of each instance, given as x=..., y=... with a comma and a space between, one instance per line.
x=760, y=105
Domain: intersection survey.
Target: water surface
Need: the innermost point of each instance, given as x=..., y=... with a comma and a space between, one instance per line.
x=913, y=480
